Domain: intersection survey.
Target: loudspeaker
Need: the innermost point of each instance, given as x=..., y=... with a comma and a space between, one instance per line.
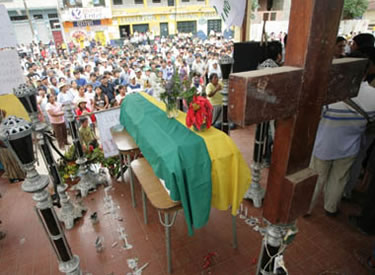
x=248, y=55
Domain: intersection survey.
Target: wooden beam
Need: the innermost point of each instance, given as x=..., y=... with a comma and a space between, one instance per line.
x=312, y=34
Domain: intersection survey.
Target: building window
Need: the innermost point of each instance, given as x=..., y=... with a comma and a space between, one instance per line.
x=53, y=15
x=117, y=2
x=273, y=16
x=98, y=3
x=72, y=3
x=38, y=16
x=138, y=1
x=156, y=1
x=55, y=24
x=277, y=5
x=185, y=0
x=187, y=27
x=140, y=28
x=18, y=18
x=213, y=25
x=170, y=3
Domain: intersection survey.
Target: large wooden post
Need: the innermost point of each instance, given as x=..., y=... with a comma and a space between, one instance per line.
x=312, y=32
x=294, y=95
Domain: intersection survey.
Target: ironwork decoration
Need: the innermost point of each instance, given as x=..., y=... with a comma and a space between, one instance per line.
x=69, y=212
x=88, y=179
x=13, y=133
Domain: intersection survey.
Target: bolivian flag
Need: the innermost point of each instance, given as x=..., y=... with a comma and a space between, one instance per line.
x=200, y=169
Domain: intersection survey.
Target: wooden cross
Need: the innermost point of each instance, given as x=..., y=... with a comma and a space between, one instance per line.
x=294, y=95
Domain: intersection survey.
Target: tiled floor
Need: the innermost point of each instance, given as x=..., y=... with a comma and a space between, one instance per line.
x=323, y=244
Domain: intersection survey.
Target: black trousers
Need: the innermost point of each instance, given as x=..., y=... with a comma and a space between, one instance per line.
x=367, y=219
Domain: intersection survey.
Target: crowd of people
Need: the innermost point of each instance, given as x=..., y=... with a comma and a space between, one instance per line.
x=97, y=77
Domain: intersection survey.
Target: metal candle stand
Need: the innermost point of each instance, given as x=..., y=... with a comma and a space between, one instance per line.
x=226, y=63
x=256, y=192
x=69, y=212
x=16, y=135
x=276, y=238
x=89, y=180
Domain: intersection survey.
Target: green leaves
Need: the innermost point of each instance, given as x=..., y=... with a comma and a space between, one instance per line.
x=354, y=8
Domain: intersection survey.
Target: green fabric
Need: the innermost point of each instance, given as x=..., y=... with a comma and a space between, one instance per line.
x=176, y=154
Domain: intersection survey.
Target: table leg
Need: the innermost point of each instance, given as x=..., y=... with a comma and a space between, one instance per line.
x=134, y=203
x=144, y=201
x=167, y=225
x=168, y=243
x=122, y=167
x=234, y=232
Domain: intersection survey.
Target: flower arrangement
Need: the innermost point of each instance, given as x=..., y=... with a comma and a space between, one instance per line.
x=172, y=90
x=177, y=87
x=199, y=113
x=68, y=167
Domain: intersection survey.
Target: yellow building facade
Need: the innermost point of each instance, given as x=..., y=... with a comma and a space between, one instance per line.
x=164, y=17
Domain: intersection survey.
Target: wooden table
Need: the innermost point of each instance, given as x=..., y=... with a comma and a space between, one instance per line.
x=128, y=151
x=159, y=198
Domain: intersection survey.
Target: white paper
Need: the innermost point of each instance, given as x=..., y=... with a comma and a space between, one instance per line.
x=231, y=11
x=11, y=75
x=7, y=36
x=106, y=120
x=165, y=187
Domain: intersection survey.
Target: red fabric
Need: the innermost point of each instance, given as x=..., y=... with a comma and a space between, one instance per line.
x=79, y=113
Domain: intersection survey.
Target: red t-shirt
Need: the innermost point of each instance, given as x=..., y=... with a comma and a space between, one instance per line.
x=79, y=113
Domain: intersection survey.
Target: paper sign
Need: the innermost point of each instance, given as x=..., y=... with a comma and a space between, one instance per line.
x=231, y=11
x=11, y=75
x=7, y=36
x=106, y=120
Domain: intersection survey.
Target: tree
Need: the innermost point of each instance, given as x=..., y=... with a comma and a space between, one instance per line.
x=354, y=8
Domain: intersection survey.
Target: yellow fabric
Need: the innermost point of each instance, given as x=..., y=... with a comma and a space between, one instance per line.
x=217, y=99
x=230, y=173
x=12, y=106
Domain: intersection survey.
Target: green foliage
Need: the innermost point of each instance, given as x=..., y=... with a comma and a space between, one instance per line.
x=354, y=8
x=177, y=88
x=173, y=89
x=254, y=6
x=189, y=94
x=70, y=169
x=67, y=170
x=97, y=156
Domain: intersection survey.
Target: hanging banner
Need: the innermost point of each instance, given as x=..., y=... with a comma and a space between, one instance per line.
x=231, y=11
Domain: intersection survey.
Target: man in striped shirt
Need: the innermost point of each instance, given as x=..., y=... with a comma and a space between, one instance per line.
x=338, y=141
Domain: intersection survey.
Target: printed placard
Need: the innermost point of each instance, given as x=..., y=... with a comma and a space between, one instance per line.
x=11, y=74
x=106, y=120
x=7, y=36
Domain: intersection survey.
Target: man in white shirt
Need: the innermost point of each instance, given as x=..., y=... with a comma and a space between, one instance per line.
x=65, y=95
x=214, y=68
x=199, y=66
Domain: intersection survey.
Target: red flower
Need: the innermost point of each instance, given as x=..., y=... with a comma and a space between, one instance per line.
x=199, y=112
x=91, y=148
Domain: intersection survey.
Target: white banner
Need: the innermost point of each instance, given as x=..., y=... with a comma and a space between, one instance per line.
x=7, y=35
x=11, y=74
x=78, y=14
x=231, y=11
x=105, y=120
